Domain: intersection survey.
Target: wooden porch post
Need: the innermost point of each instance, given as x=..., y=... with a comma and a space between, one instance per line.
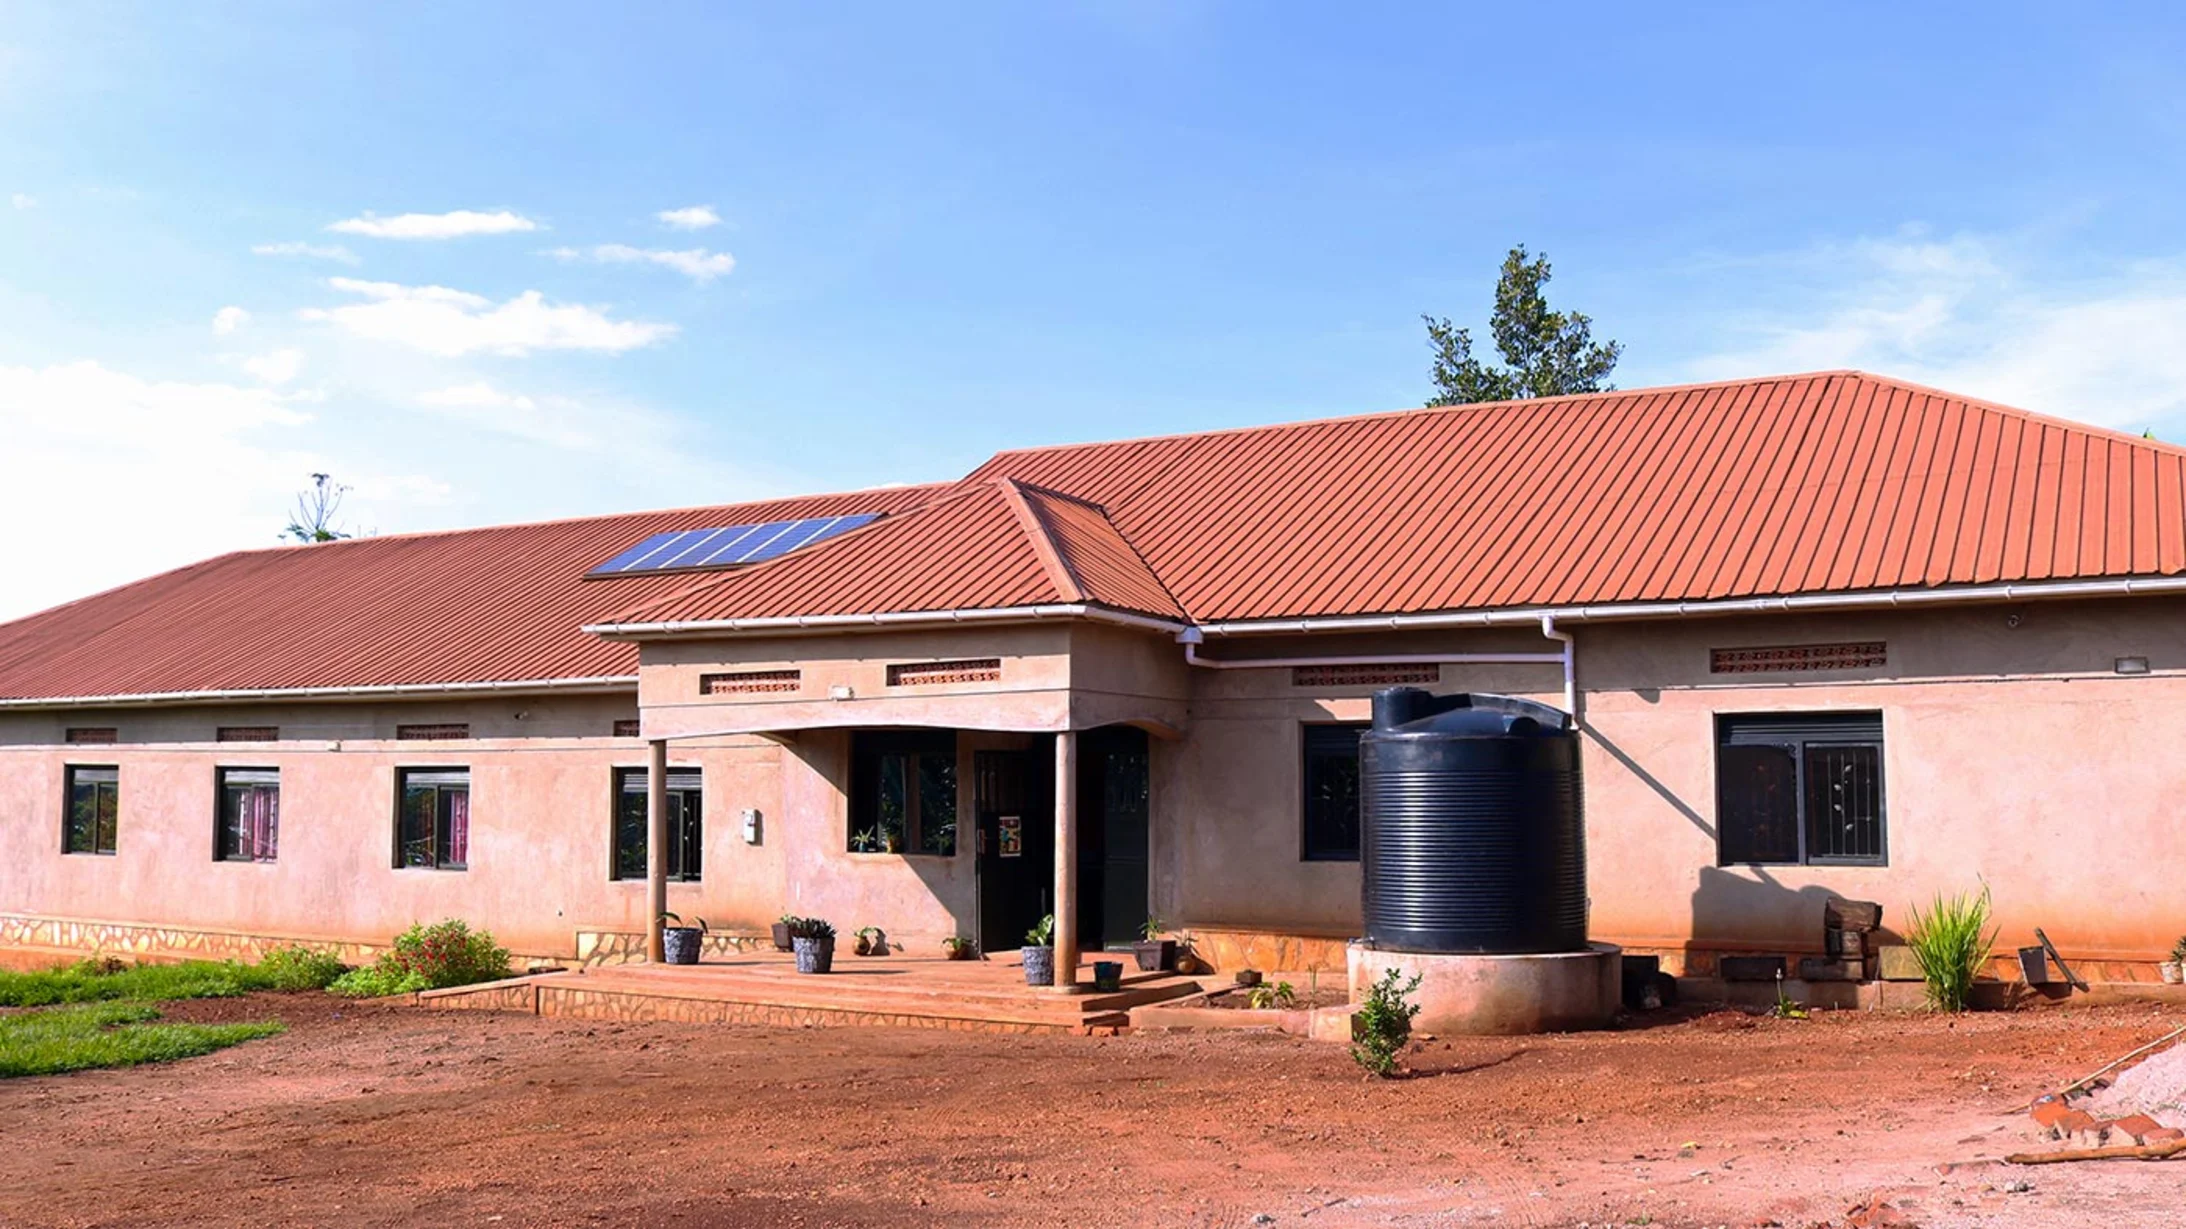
x=656, y=847
x=1066, y=861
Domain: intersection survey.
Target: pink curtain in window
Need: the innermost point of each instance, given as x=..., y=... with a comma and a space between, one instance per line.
x=262, y=821
x=459, y=827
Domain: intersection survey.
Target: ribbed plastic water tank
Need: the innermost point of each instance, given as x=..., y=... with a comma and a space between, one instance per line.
x=1473, y=838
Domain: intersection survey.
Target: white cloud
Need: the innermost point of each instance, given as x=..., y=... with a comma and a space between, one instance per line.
x=558, y=423
x=276, y=367
x=698, y=264
x=1971, y=314
x=690, y=217
x=182, y=470
x=23, y=200
x=452, y=323
x=229, y=319
x=316, y=251
x=453, y=225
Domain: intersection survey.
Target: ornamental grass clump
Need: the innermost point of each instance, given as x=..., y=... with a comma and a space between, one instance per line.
x=1952, y=942
x=424, y=957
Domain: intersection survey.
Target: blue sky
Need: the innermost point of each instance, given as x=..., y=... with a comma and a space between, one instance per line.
x=948, y=229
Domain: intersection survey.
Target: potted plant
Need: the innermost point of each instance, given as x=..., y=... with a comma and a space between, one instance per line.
x=679, y=944
x=957, y=947
x=2174, y=969
x=1107, y=976
x=1039, y=953
x=1154, y=953
x=784, y=927
x=814, y=941
x=872, y=941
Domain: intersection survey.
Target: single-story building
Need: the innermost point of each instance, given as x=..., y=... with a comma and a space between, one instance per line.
x=1827, y=634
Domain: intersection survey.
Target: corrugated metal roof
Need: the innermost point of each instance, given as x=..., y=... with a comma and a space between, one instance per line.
x=463, y=606
x=1826, y=483
x=986, y=545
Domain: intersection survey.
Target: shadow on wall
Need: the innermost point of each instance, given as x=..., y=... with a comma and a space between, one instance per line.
x=883, y=900
x=1745, y=908
x=1668, y=795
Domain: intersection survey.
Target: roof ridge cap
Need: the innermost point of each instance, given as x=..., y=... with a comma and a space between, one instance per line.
x=1516, y=403
x=1042, y=540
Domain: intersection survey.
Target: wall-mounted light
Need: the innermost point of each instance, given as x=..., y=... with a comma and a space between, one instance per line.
x=841, y=691
x=751, y=826
x=2131, y=665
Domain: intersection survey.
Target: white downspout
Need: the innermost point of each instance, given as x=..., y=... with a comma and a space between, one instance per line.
x=1571, y=665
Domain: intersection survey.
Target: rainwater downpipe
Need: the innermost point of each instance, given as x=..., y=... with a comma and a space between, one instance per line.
x=1191, y=638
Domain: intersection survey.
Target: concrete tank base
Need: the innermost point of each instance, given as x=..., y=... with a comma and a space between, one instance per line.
x=1501, y=995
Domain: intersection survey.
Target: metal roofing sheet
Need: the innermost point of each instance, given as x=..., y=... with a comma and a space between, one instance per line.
x=1797, y=484
x=479, y=605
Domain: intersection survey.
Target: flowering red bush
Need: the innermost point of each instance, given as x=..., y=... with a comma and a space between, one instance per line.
x=448, y=954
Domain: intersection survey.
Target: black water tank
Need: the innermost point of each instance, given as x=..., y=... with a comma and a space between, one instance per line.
x=1473, y=839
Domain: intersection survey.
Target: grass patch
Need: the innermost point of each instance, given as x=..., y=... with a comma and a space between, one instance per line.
x=91, y=981
x=109, y=1035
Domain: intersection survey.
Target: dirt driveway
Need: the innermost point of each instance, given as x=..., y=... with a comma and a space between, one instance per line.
x=383, y=1116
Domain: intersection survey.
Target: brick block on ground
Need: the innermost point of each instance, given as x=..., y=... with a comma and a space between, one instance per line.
x=1815, y=968
x=2139, y=1126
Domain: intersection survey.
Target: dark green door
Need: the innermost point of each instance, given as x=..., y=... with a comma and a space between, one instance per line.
x=1014, y=796
x=1113, y=817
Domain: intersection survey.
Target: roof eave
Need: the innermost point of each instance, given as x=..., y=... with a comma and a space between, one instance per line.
x=793, y=624
x=593, y=684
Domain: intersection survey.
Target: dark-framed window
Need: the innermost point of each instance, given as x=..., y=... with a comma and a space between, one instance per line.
x=1329, y=800
x=433, y=818
x=903, y=792
x=250, y=815
x=1800, y=789
x=94, y=809
x=686, y=824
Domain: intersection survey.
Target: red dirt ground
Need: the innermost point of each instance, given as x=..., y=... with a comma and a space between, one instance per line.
x=383, y=1115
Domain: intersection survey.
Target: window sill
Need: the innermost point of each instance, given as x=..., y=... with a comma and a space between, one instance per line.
x=882, y=853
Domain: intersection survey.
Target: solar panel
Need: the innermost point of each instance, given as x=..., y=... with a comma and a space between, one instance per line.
x=728, y=546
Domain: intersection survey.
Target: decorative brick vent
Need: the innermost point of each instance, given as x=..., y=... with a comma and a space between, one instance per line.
x=1799, y=658
x=627, y=728
x=748, y=682
x=923, y=673
x=447, y=731
x=1363, y=676
x=247, y=734
x=93, y=735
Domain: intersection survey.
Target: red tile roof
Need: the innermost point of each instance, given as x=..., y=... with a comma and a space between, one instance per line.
x=463, y=606
x=1832, y=482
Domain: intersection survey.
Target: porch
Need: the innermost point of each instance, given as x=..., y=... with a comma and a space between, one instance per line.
x=765, y=988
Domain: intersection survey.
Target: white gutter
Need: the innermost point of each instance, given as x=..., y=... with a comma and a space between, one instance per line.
x=1882, y=599
x=406, y=691
x=1192, y=637
x=911, y=618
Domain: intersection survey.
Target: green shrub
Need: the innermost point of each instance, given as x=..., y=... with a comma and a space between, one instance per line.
x=376, y=981
x=432, y=957
x=108, y=1035
x=300, y=968
x=1384, y=1023
x=105, y=978
x=1952, y=942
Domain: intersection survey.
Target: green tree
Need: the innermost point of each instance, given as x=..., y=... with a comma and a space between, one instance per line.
x=1549, y=354
x=313, y=519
